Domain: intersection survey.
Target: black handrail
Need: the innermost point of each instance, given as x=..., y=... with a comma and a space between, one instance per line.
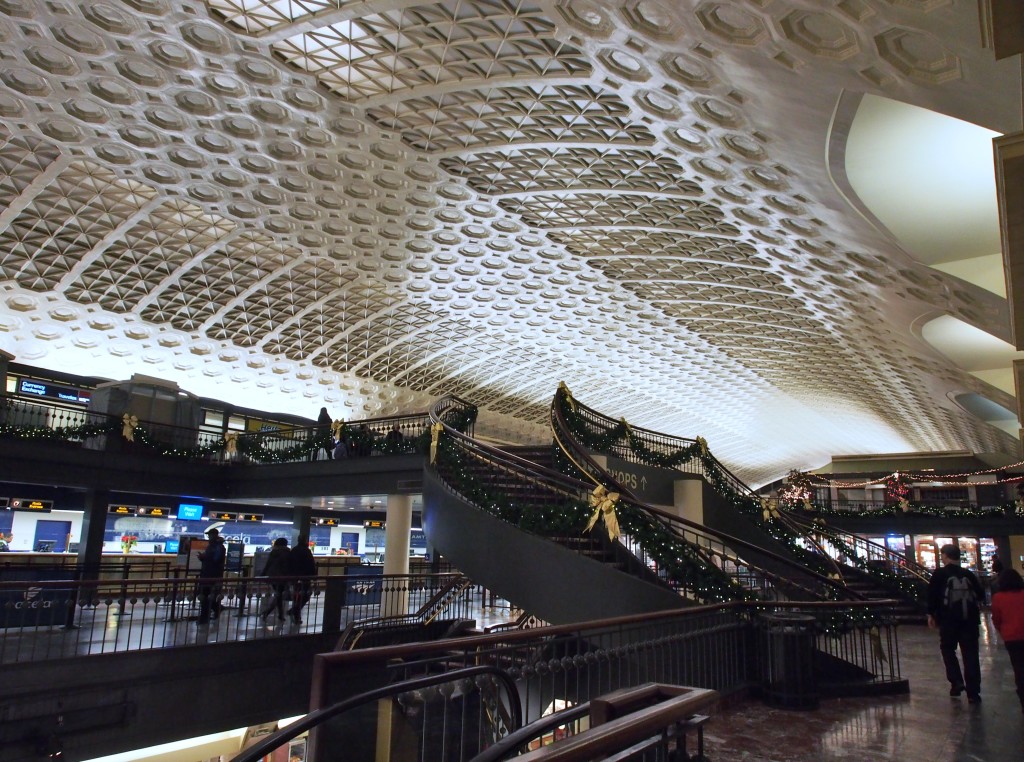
x=510, y=744
x=318, y=716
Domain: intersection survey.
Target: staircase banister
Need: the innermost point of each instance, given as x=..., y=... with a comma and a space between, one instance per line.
x=614, y=485
x=654, y=436
x=916, y=569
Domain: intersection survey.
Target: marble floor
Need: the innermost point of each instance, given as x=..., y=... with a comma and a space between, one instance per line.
x=925, y=726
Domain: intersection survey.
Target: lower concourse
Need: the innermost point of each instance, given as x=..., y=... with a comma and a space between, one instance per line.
x=925, y=725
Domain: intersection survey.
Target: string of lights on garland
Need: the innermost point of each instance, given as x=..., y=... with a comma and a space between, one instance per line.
x=899, y=501
x=539, y=509
x=960, y=479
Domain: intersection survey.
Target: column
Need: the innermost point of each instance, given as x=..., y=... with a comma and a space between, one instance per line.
x=301, y=517
x=94, y=525
x=395, y=598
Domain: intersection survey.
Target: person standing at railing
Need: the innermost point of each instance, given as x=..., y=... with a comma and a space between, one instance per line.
x=301, y=564
x=277, y=566
x=954, y=596
x=1008, y=617
x=211, y=569
x=323, y=439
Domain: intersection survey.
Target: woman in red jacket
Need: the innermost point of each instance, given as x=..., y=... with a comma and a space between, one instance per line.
x=1008, y=617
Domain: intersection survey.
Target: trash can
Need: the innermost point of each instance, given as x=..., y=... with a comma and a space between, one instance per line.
x=787, y=658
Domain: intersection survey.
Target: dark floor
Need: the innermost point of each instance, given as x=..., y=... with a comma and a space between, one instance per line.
x=924, y=726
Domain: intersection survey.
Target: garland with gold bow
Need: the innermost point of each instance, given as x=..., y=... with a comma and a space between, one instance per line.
x=702, y=445
x=336, y=428
x=769, y=510
x=603, y=503
x=130, y=423
x=231, y=442
x=568, y=396
x=435, y=434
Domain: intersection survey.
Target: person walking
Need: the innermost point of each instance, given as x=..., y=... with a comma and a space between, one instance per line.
x=277, y=566
x=953, y=607
x=301, y=564
x=211, y=570
x=1008, y=617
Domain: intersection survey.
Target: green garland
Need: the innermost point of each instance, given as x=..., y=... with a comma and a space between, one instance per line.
x=253, y=446
x=620, y=436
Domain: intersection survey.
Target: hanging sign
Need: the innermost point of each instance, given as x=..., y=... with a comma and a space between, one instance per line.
x=35, y=506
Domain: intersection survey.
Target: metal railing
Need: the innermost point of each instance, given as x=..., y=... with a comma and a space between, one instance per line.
x=950, y=508
x=43, y=620
x=442, y=716
x=711, y=647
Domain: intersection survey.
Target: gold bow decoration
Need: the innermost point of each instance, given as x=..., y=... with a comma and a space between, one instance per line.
x=768, y=510
x=435, y=434
x=836, y=576
x=131, y=422
x=702, y=445
x=603, y=503
x=568, y=395
x=336, y=428
x=904, y=504
x=231, y=442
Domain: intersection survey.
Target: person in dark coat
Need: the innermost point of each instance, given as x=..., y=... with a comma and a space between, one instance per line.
x=322, y=432
x=211, y=570
x=301, y=564
x=954, y=607
x=277, y=566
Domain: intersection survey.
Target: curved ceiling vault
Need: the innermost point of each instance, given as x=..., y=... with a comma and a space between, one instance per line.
x=367, y=205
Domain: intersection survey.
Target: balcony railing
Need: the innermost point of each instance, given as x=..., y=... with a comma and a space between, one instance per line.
x=722, y=647
x=53, y=421
x=61, y=618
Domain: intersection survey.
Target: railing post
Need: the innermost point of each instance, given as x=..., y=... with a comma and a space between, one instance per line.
x=335, y=592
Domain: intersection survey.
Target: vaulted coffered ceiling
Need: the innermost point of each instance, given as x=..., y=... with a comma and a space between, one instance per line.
x=366, y=205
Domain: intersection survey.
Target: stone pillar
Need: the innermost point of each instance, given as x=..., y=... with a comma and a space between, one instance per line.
x=395, y=598
x=94, y=524
x=301, y=517
x=689, y=499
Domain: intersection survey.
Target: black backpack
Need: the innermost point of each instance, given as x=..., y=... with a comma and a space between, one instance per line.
x=959, y=601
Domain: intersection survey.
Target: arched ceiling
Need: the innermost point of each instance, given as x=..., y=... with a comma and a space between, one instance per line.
x=370, y=204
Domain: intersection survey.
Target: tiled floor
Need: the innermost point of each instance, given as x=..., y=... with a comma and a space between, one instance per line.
x=924, y=726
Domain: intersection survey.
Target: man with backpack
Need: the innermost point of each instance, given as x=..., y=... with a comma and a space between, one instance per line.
x=954, y=596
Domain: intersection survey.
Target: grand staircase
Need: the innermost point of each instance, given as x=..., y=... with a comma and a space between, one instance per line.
x=862, y=567
x=517, y=526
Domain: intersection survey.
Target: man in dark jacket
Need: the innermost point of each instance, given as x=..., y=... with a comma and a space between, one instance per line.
x=211, y=569
x=277, y=566
x=301, y=564
x=954, y=596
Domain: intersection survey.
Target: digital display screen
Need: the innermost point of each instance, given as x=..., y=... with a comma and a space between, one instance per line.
x=171, y=546
x=190, y=512
x=52, y=391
